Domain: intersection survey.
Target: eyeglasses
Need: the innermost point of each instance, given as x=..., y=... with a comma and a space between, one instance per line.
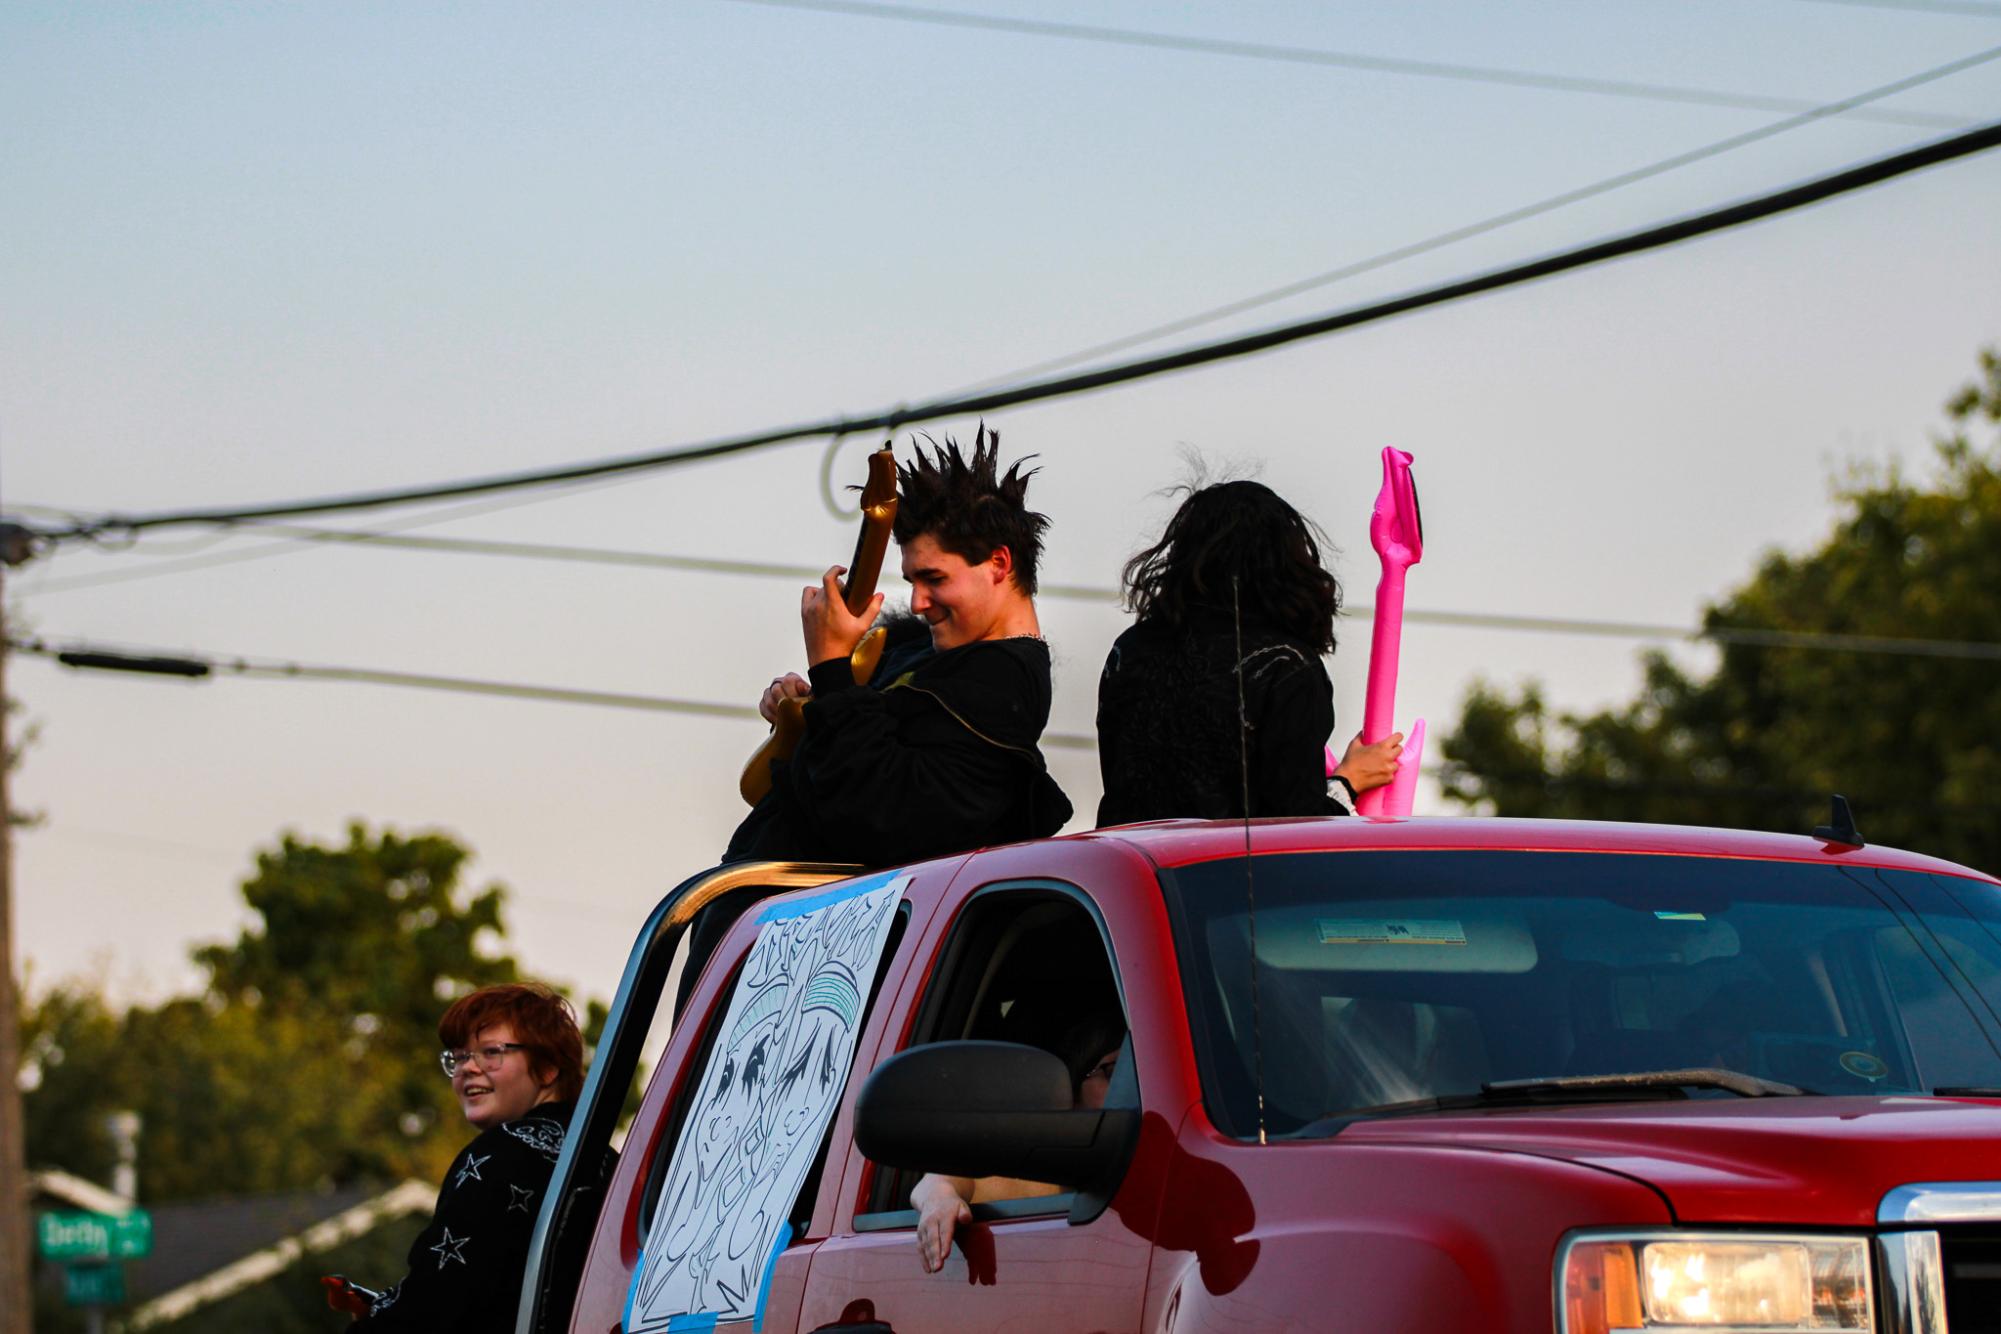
x=487, y=1058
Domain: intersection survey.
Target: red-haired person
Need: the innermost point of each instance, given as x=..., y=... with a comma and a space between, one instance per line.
x=516, y=1061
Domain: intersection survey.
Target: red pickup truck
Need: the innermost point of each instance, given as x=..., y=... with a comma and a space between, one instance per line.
x=1422, y=1075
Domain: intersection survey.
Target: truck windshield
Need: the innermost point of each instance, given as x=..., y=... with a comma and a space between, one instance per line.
x=1395, y=977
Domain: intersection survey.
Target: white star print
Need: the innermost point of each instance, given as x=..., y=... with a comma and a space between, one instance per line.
x=451, y=1248
x=517, y=1198
x=471, y=1169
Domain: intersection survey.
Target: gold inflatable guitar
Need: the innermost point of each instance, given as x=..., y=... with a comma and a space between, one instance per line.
x=878, y=515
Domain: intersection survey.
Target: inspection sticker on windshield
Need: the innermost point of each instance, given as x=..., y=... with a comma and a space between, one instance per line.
x=1384, y=931
x=1666, y=916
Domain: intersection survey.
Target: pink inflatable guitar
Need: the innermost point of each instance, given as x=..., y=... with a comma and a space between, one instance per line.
x=1396, y=531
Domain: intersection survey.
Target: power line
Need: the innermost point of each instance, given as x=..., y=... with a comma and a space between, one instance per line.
x=296, y=536
x=1973, y=8
x=271, y=669
x=222, y=664
x=202, y=664
x=284, y=547
x=1631, y=243
x=1467, y=232
x=1843, y=106
x=1749, y=636
x=1299, y=55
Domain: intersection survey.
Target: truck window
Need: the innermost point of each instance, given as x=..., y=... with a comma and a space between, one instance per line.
x=1024, y=963
x=802, y=1207
x=1393, y=977
x=1964, y=917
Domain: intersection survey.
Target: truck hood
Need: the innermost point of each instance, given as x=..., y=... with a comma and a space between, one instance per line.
x=1810, y=1160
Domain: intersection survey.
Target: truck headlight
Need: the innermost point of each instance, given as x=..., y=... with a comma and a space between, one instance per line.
x=1715, y=1282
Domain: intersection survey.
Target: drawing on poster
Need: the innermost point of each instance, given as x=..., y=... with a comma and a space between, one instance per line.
x=774, y=1077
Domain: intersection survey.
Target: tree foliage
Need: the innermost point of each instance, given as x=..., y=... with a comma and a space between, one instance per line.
x=1914, y=741
x=372, y=928
x=307, y=1061
x=367, y=942
x=70, y=1042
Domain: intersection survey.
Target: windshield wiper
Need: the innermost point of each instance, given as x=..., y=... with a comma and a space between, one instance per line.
x=1695, y=1077
x=1559, y=1090
x=1965, y=1091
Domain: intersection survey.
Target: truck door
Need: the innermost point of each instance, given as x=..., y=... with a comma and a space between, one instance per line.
x=1026, y=962
x=709, y=1221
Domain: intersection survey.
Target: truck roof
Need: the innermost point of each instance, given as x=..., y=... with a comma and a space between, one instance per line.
x=1172, y=843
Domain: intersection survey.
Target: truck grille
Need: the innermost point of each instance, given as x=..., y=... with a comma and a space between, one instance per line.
x=1972, y=1279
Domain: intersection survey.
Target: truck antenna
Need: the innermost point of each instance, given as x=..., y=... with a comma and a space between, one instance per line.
x=1842, y=830
x=1250, y=897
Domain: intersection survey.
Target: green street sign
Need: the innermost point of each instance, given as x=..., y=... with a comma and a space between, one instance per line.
x=94, y=1285
x=82, y=1236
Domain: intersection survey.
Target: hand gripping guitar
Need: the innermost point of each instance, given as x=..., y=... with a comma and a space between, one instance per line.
x=878, y=512
x=1396, y=531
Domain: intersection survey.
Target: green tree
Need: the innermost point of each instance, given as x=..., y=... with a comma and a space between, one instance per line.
x=70, y=1049
x=1914, y=741
x=307, y=1061
x=233, y=1099
x=366, y=942
x=374, y=928
x=246, y=1100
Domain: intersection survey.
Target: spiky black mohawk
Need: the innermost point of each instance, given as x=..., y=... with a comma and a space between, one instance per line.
x=969, y=505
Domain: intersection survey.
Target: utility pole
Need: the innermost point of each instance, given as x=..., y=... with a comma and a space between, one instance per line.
x=17, y=1294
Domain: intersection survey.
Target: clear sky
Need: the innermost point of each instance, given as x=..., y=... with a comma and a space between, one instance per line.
x=259, y=253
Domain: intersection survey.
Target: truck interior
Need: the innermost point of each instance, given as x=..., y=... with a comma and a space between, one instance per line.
x=1392, y=978
x=1027, y=964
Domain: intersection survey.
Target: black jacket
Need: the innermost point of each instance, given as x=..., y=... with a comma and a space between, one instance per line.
x=467, y=1263
x=1168, y=736
x=936, y=755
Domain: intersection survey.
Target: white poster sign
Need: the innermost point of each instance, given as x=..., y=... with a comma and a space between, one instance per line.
x=775, y=1075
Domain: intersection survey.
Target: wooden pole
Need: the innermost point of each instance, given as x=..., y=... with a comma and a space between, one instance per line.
x=17, y=1296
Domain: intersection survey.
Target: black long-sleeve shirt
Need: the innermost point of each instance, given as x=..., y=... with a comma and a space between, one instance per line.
x=466, y=1265
x=936, y=755
x=1168, y=735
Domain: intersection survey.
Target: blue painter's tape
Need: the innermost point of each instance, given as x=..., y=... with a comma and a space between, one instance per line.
x=700, y=1322
x=853, y=889
x=632, y=1292
x=778, y=1245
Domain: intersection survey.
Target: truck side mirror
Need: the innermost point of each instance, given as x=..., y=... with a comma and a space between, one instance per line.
x=977, y=1109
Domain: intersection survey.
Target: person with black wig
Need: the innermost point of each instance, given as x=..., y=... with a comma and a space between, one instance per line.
x=1232, y=606
x=938, y=752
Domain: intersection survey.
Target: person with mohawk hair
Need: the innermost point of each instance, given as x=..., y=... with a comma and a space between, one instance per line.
x=938, y=753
